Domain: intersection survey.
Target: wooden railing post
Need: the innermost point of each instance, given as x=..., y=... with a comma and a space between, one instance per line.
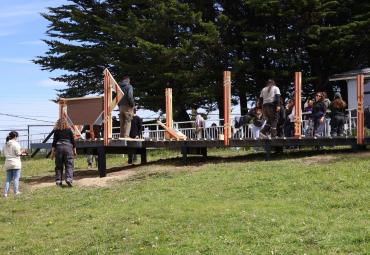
x=227, y=107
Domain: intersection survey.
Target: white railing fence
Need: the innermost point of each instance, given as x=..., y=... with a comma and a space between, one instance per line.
x=155, y=131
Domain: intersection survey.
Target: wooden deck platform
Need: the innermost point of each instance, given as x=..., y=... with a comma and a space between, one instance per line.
x=196, y=146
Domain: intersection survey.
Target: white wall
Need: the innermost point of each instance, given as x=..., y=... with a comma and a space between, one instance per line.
x=352, y=93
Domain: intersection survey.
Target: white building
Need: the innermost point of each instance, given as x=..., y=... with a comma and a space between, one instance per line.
x=351, y=78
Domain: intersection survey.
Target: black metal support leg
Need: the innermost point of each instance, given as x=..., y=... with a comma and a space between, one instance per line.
x=184, y=153
x=355, y=147
x=143, y=156
x=268, y=151
x=204, y=151
x=101, y=161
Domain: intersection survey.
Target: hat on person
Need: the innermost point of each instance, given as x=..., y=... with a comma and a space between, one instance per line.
x=337, y=95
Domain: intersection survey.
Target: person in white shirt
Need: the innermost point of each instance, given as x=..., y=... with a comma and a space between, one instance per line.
x=292, y=120
x=270, y=102
x=12, y=152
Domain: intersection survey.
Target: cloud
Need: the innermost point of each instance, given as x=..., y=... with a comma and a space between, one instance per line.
x=32, y=42
x=16, y=60
x=5, y=33
x=21, y=11
x=50, y=83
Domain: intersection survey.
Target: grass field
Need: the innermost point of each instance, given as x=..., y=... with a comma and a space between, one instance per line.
x=301, y=202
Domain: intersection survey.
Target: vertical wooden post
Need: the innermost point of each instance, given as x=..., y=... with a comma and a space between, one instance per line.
x=360, y=109
x=92, y=134
x=169, y=117
x=107, y=113
x=62, y=108
x=297, y=104
x=227, y=107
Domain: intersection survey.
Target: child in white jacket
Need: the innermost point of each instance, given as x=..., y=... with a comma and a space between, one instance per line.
x=12, y=151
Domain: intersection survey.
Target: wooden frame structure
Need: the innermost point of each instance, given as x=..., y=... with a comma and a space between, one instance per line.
x=227, y=107
x=199, y=146
x=109, y=104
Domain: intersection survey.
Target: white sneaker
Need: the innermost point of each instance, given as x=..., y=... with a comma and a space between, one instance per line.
x=5, y=195
x=17, y=193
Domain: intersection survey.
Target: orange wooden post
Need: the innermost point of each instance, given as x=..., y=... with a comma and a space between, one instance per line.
x=107, y=115
x=298, y=104
x=227, y=107
x=169, y=116
x=360, y=109
x=62, y=107
x=92, y=134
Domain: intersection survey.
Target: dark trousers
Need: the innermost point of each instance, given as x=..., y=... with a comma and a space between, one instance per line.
x=64, y=156
x=269, y=110
x=280, y=130
x=130, y=158
x=337, y=125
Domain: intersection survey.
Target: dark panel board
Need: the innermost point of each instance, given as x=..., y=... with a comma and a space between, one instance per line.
x=85, y=111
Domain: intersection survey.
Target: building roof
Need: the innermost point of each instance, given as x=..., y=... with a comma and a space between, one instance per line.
x=350, y=74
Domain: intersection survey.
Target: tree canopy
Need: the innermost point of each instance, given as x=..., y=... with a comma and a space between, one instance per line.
x=185, y=45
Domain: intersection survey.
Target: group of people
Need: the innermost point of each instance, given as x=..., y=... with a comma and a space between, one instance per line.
x=271, y=117
x=64, y=147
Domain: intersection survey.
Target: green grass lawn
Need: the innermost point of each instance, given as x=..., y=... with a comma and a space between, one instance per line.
x=301, y=202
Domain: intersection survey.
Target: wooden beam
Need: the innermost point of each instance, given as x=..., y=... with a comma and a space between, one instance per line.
x=107, y=118
x=360, y=109
x=62, y=107
x=227, y=107
x=297, y=104
x=78, y=98
x=169, y=116
x=172, y=131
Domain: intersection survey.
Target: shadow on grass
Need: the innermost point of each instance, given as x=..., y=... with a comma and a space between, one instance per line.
x=197, y=161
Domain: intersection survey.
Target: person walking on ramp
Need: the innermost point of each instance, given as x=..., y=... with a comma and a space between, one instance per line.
x=270, y=102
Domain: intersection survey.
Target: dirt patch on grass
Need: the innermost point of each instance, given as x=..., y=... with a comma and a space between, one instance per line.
x=114, y=176
x=83, y=178
x=315, y=160
x=323, y=159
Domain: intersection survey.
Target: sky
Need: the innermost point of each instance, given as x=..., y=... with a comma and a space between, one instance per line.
x=26, y=91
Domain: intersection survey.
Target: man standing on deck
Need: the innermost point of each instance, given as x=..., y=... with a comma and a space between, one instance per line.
x=126, y=107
